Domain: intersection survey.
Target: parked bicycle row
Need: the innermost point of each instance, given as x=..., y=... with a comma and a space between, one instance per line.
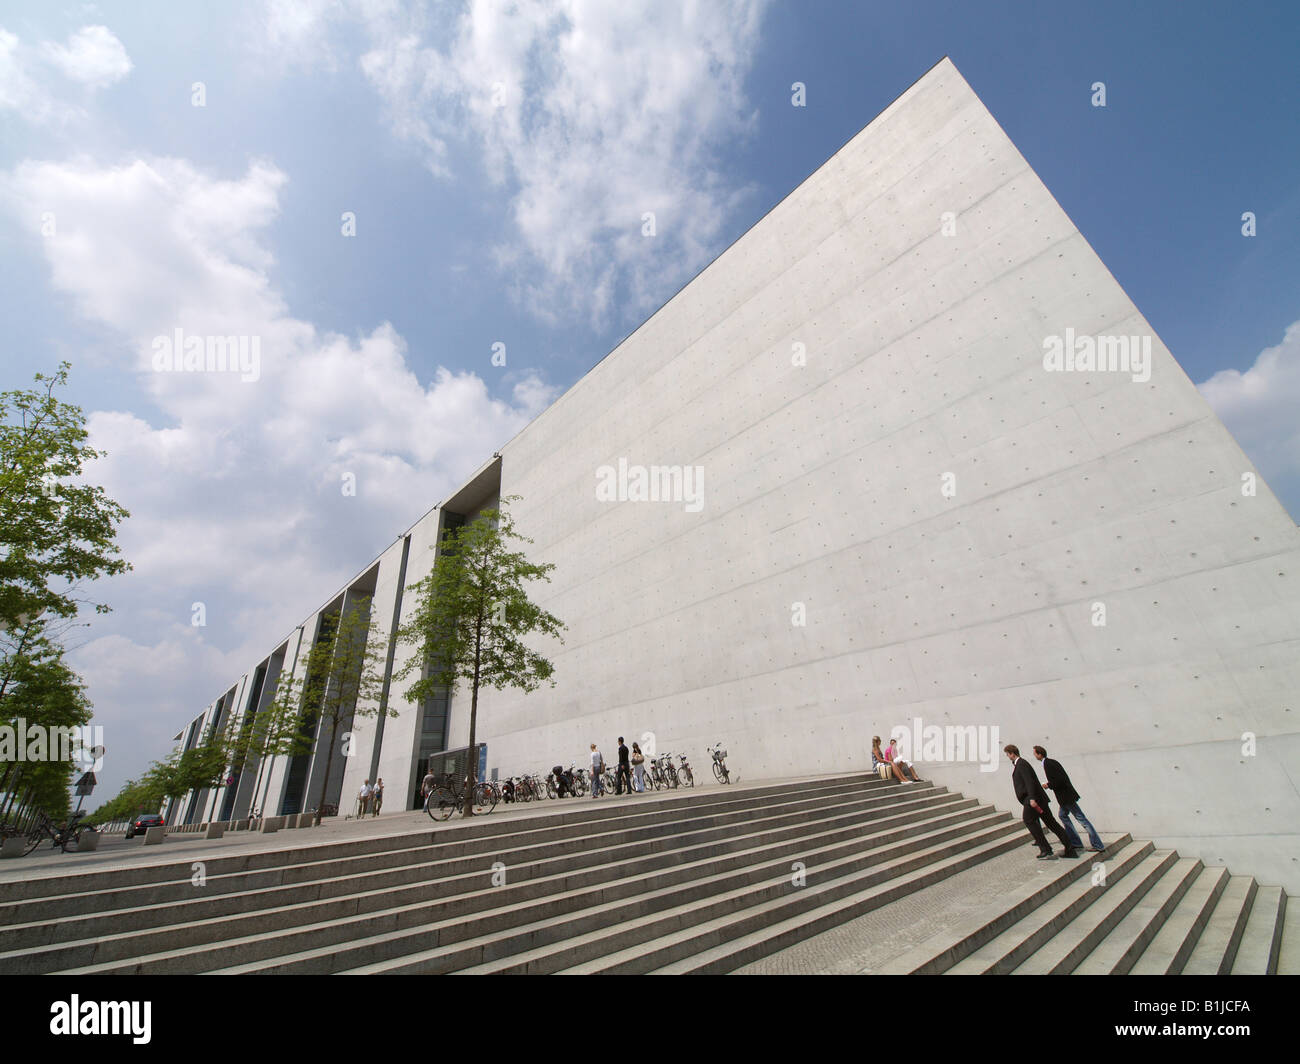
x=65, y=836
x=635, y=772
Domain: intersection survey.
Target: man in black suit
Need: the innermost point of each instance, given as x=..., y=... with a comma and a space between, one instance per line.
x=1033, y=799
x=1058, y=782
x=624, y=769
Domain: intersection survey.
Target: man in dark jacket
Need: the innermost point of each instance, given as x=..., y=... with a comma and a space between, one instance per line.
x=1033, y=799
x=1058, y=782
x=624, y=768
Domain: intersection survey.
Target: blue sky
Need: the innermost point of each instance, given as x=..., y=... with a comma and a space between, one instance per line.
x=498, y=159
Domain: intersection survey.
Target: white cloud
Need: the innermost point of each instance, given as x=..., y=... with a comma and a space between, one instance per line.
x=1261, y=408
x=18, y=91
x=235, y=490
x=587, y=115
x=92, y=56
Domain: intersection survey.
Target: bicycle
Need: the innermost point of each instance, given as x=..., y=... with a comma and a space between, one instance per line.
x=66, y=836
x=687, y=776
x=654, y=775
x=720, y=772
x=449, y=797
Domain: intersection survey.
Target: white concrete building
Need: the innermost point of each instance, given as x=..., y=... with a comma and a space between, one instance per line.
x=944, y=474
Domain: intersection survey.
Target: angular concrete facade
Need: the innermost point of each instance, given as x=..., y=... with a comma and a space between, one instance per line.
x=907, y=515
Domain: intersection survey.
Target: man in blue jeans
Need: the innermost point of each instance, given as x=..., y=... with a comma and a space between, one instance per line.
x=1058, y=782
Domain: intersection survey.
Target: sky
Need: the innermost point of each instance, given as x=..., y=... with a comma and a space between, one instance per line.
x=382, y=193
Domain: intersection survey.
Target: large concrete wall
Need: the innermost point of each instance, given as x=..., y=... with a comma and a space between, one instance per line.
x=823, y=486
x=905, y=518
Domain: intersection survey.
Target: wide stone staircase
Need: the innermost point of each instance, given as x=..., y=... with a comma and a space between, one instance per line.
x=703, y=880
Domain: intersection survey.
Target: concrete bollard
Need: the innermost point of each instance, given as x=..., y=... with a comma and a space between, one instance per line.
x=88, y=842
x=241, y=825
x=154, y=836
x=14, y=847
x=270, y=824
x=215, y=831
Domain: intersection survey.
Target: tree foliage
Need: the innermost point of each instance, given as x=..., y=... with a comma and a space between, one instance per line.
x=56, y=531
x=341, y=679
x=473, y=618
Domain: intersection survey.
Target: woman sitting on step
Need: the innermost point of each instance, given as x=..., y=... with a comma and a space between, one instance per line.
x=883, y=765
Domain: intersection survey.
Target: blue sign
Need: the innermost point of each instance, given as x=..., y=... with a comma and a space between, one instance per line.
x=482, y=761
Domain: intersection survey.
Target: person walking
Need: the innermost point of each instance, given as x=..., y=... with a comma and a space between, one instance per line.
x=624, y=769
x=377, y=797
x=1058, y=782
x=427, y=787
x=638, y=768
x=597, y=769
x=1033, y=799
x=363, y=799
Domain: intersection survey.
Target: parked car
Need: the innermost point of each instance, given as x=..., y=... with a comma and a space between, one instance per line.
x=145, y=820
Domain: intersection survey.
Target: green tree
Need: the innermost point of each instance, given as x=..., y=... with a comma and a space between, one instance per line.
x=471, y=618
x=275, y=731
x=56, y=531
x=342, y=679
x=38, y=687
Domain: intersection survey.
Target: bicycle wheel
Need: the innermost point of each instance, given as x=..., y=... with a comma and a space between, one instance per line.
x=580, y=786
x=718, y=774
x=447, y=804
x=551, y=792
x=71, y=840
x=671, y=773
x=34, y=838
x=688, y=779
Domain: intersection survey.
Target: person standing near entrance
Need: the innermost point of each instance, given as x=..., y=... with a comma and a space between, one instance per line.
x=1058, y=782
x=377, y=797
x=597, y=770
x=638, y=768
x=428, y=786
x=1033, y=799
x=363, y=799
x=624, y=769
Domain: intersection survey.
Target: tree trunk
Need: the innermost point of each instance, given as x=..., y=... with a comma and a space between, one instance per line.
x=473, y=720
x=11, y=786
x=329, y=761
